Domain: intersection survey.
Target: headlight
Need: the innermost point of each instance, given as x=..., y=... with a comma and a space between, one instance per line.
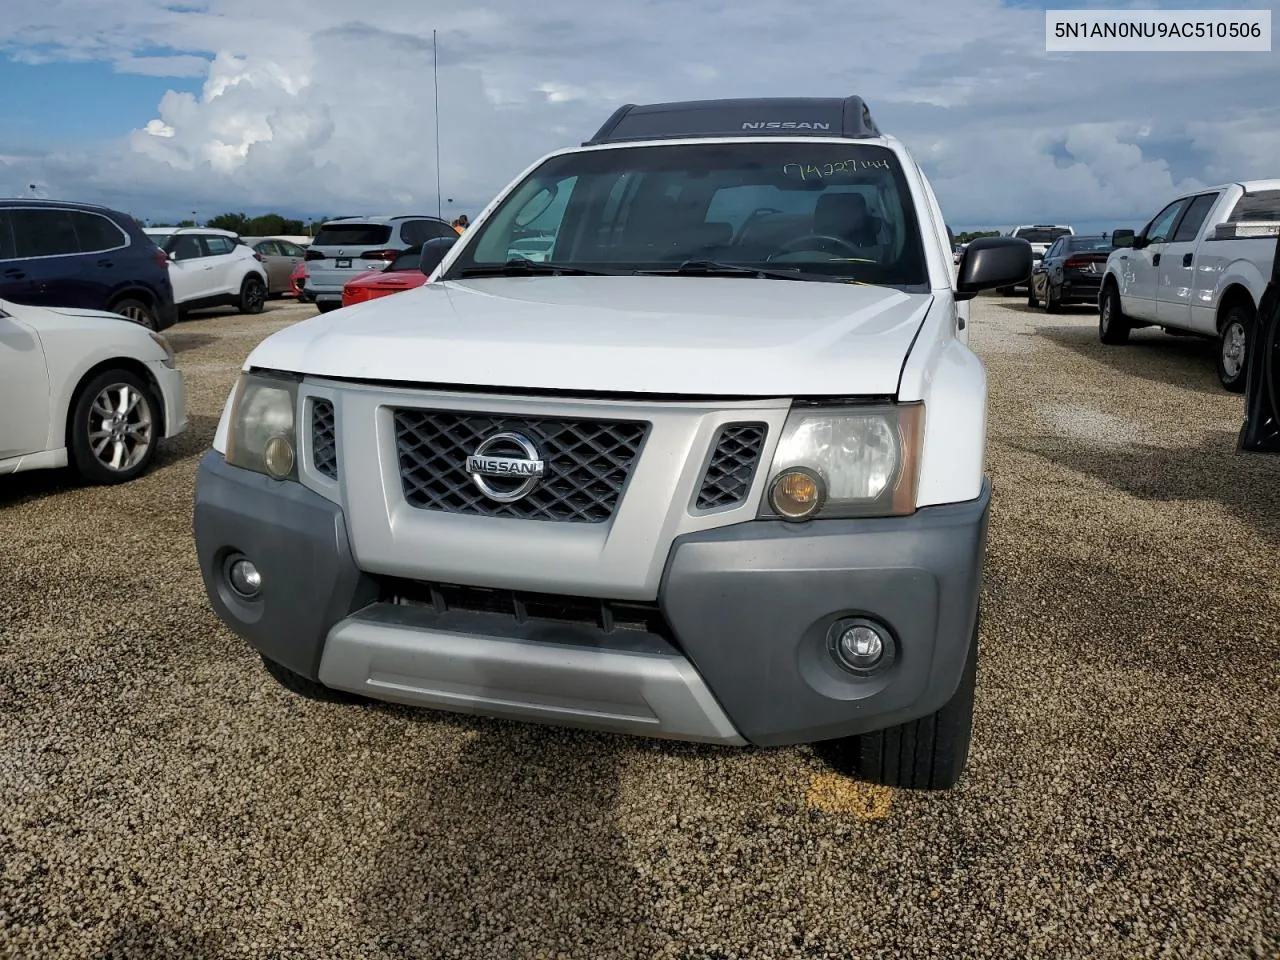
x=261, y=435
x=846, y=462
x=170, y=359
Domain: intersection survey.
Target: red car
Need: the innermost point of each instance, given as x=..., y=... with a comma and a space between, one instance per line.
x=403, y=273
x=297, y=279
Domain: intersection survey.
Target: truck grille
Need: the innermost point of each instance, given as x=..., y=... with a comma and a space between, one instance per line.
x=586, y=463
x=727, y=480
x=607, y=616
x=324, y=439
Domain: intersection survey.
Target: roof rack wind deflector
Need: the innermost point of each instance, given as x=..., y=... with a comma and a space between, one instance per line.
x=847, y=117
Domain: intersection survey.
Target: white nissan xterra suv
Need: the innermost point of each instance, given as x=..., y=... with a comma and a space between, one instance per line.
x=712, y=470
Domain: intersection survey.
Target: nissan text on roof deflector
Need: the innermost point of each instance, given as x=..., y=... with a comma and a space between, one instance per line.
x=710, y=468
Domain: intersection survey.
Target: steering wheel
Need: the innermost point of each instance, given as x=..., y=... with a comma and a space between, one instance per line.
x=799, y=244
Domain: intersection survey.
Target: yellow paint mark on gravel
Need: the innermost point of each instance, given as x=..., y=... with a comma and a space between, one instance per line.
x=836, y=794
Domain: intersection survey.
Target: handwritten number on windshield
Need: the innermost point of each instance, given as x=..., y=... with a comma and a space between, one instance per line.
x=809, y=171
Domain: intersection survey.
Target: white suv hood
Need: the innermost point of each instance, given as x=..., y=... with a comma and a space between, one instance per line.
x=668, y=335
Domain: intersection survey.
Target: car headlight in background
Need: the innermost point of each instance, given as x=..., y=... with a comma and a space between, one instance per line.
x=261, y=435
x=853, y=461
x=170, y=358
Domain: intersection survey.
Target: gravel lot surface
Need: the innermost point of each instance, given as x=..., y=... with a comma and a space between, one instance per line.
x=162, y=797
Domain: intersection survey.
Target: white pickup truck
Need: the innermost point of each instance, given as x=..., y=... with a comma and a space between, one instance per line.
x=710, y=467
x=1198, y=267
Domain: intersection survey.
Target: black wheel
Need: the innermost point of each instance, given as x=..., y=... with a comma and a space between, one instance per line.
x=131, y=308
x=114, y=427
x=1113, y=325
x=1233, y=348
x=324, y=306
x=1032, y=299
x=925, y=754
x=311, y=689
x=1052, y=304
x=253, y=295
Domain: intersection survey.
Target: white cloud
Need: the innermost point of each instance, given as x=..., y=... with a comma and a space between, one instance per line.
x=319, y=106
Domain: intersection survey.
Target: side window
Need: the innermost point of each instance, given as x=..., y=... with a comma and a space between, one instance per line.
x=1190, y=226
x=185, y=247
x=290, y=249
x=1158, y=231
x=1054, y=249
x=43, y=233
x=270, y=248
x=217, y=246
x=6, y=237
x=528, y=225
x=96, y=233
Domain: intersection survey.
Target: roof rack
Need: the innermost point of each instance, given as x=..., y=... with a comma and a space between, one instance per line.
x=847, y=117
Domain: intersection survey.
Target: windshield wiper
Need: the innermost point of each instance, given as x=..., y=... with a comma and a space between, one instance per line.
x=712, y=268
x=520, y=265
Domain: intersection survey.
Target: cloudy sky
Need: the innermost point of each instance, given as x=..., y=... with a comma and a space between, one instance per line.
x=325, y=107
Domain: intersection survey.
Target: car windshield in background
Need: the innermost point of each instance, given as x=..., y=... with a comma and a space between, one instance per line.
x=410, y=259
x=352, y=235
x=1089, y=245
x=1041, y=234
x=820, y=211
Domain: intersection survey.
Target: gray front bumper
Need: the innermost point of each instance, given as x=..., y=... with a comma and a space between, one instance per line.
x=748, y=606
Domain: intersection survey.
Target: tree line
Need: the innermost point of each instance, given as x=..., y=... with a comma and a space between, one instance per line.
x=266, y=225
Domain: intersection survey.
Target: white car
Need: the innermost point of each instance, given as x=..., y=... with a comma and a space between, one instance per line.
x=713, y=469
x=85, y=388
x=1199, y=267
x=212, y=268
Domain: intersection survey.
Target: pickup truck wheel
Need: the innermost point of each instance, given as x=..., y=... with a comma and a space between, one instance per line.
x=1113, y=325
x=1233, y=349
x=253, y=295
x=311, y=689
x=925, y=754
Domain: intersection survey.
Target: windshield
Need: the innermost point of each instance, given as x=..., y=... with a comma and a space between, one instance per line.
x=410, y=259
x=1041, y=234
x=816, y=210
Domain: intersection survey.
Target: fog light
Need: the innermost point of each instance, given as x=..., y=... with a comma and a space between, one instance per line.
x=245, y=578
x=861, y=646
x=278, y=456
x=796, y=493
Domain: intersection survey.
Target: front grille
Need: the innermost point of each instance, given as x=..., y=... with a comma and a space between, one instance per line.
x=324, y=439
x=586, y=464
x=727, y=480
x=607, y=616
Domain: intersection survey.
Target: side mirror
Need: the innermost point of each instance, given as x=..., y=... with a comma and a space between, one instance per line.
x=990, y=262
x=433, y=252
x=1122, y=238
x=172, y=255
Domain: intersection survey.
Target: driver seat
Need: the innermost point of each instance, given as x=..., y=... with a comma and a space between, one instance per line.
x=845, y=215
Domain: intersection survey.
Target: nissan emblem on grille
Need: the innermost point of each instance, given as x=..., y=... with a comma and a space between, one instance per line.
x=493, y=458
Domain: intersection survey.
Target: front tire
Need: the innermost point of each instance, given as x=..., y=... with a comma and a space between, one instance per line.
x=114, y=428
x=308, y=688
x=925, y=754
x=1113, y=326
x=1233, y=349
x=253, y=295
x=131, y=308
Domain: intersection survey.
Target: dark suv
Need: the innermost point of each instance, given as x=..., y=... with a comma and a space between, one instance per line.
x=59, y=254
